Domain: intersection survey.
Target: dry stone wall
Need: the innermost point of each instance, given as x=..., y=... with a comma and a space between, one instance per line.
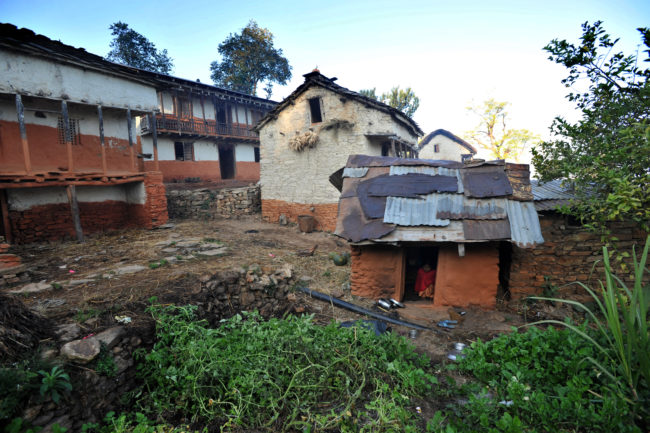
x=209, y=203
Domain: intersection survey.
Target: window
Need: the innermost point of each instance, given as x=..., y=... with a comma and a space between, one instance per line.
x=436, y=148
x=74, y=134
x=314, y=108
x=184, y=151
x=184, y=107
x=256, y=150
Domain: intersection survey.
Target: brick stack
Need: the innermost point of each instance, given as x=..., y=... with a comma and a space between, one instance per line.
x=324, y=214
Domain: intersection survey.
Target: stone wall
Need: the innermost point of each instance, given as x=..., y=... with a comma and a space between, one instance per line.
x=209, y=203
x=568, y=254
x=221, y=296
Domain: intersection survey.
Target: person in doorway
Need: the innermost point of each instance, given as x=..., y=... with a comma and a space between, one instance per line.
x=425, y=281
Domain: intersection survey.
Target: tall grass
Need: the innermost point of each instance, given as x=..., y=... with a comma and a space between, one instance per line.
x=621, y=321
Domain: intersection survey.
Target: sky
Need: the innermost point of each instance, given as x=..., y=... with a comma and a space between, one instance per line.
x=452, y=54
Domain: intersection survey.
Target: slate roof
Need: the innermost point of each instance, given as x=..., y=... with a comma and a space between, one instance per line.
x=315, y=78
x=430, y=136
x=393, y=200
x=28, y=42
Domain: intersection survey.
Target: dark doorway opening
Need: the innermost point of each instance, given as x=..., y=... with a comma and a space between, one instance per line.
x=416, y=258
x=227, y=161
x=505, y=261
x=5, y=229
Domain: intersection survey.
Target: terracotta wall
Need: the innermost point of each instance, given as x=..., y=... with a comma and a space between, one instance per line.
x=568, y=254
x=54, y=221
x=205, y=170
x=468, y=280
x=325, y=214
x=47, y=154
x=246, y=170
x=376, y=271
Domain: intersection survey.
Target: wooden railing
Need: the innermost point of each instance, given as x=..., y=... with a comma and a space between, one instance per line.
x=193, y=126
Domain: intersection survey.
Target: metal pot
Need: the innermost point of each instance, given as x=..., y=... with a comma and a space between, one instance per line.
x=384, y=304
x=396, y=303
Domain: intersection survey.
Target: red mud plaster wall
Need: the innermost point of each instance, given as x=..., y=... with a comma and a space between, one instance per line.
x=154, y=211
x=179, y=170
x=376, y=271
x=325, y=214
x=568, y=254
x=246, y=170
x=468, y=280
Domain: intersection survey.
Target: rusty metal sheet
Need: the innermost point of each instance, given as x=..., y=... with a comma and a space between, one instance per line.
x=455, y=206
x=410, y=185
x=373, y=206
x=387, y=161
x=336, y=179
x=486, y=229
x=350, y=183
x=486, y=181
x=451, y=233
x=399, y=170
x=352, y=226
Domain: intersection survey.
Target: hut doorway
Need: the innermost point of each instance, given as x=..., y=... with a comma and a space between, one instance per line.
x=416, y=258
x=227, y=161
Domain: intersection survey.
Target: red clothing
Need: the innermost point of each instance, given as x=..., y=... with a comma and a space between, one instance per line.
x=425, y=279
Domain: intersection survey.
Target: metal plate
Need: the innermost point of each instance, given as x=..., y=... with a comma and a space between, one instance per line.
x=480, y=230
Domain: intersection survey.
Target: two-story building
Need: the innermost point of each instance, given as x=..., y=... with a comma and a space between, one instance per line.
x=204, y=133
x=310, y=135
x=69, y=148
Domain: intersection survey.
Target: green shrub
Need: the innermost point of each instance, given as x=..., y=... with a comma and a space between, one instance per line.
x=287, y=374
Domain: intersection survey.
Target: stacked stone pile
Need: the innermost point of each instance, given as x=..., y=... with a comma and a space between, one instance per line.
x=208, y=203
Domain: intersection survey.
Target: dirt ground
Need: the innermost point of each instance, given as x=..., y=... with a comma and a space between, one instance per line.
x=94, y=280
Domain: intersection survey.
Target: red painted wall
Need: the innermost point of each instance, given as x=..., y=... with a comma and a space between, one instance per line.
x=247, y=171
x=206, y=170
x=376, y=271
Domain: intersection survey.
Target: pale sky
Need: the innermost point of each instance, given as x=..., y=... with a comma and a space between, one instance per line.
x=450, y=53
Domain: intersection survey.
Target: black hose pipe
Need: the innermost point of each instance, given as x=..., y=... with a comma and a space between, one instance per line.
x=360, y=310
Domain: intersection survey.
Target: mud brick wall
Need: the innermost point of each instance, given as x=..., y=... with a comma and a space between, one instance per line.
x=208, y=203
x=568, y=254
x=324, y=214
x=375, y=271
x=154, y=211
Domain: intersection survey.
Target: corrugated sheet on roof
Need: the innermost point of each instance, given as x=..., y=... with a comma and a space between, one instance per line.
x=552, y=190
x=460, y=207
x=413, y=212
x=524, y=223
x=355, y=172
x=544, y=205
x=400, y=170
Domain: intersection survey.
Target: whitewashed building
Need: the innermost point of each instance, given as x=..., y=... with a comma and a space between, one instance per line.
x=443, y=145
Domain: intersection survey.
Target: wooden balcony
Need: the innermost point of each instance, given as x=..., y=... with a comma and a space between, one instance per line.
x=195, y=127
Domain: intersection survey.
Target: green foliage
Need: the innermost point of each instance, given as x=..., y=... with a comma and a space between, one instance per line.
x=402, y=99
x=130, y=48
x=105, y=364
x=18, y=425
x=623, y=341
x=606, y=154
x=287, y=374
x=493, y=134
x=249, y=58
x=17, y=383
x=85, y=314
x=126, y=423
x=535, y=381
x=159, y=263
x=54, y=383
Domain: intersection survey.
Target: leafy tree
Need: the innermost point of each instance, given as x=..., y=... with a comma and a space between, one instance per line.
x=249, y=58
x=402, y=99
x=605, y=154
x=492, y=132
x=129, y=47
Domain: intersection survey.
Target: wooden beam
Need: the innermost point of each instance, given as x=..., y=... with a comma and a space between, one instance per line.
x=67, y=135
x=4, y=209
x=102, y=142
x=71, y=190
x=392, y=146
x=461, y=250
x=129, y=128
x=162, y=109
x=154, y=137
x=20, y=110
x=205, y=122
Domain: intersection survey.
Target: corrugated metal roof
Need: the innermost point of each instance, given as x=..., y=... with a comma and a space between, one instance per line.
x=552, y=190
x=543, y=205
x=355, y=172
x=524, y=223
x=456, y=206
x=414, y=212
x=400, y=170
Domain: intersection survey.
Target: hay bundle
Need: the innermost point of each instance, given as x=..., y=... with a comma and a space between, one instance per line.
x=20, y=329
x=303, y=141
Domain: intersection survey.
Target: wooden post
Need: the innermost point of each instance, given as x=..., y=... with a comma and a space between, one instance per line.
x=162, y=109
x=461, y=250
x=101, y=138
x=4, y=210
x=129, y=128
x=67, y=135
x=20, y=110
x=205, y=122
x=392, y=146
x=74, y=208
x=154, y=136
x=179, y=108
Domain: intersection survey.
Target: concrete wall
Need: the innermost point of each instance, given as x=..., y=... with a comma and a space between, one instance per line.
x=301, y=177
x=448, y=149
x=29, y=75
x=48, y=152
